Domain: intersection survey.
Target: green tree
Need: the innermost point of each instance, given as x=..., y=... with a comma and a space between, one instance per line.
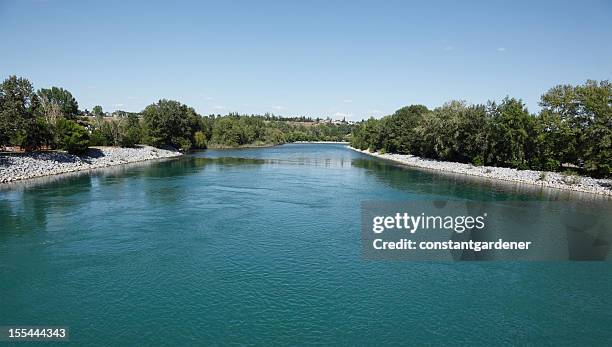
x=226, y=131
x=17, y=112
x=67, y=104
x=129, y=132
x=97, y=111
x=73, y=137
x=584, y=115
x=200, y=139
x=367, y=135
x=274, y=135
x=555, y=142
x=511, y=137
x=170, y=123
x=400, y=129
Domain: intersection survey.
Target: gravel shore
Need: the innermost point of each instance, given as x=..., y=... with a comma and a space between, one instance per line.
x=15, y=167
x=540, y=178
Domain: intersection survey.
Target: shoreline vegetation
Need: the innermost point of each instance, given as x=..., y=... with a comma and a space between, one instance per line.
x=50, y=118
x=44, y=132
x=571, y=134
x=568, y=140
x=545, y=179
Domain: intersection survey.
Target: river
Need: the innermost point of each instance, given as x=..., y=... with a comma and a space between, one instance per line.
x=262, y=246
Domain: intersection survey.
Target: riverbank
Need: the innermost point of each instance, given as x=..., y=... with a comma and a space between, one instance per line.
x=15, y=167
x=540, y=178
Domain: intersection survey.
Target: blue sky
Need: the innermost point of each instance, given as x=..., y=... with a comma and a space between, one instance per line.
x=338, y=58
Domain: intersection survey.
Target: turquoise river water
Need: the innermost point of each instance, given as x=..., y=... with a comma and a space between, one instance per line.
x=262, y=246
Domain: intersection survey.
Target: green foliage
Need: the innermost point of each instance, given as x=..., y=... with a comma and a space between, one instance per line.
x=39, y=134
x=125, y=132
x=274, y=135
x=574, y=127
x=97, y=138
x=231, y=131
x=97, y=111
x=581, y=121
x=32, y=120
x=67, y=104
x=399, y=129
x=73, y=137
x=129, y=132
x=170, y=123
x=511, y=131
x=17, y=112
x=368, y=135
x=199, y=139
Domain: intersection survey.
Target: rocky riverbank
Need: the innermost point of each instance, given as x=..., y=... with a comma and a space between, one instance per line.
x=541, y=178
x=15, y=167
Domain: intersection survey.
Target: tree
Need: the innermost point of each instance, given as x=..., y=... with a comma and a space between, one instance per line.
x=39, y=134
x=73, y=137
x=584, y=114
x=400, y=129
x=97, y=111
x=438, y=132
x=169, y=123
x=129, y=131
x=274, y=135
x=227, y=132
x=199, y=139
x=68, y=106
x=512, y=132
x=555, y=142
x=17, y=112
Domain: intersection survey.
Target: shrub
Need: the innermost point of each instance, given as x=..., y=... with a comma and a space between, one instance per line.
x=129, y=137
x=73, y=137
x=199, y=139
x=185, y=144
x=478, y=160
x=97, y=138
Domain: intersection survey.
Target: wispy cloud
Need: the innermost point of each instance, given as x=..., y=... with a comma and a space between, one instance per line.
x=376, y=111
x=347, y=101
x=448, y=48
x=208, y=98
x=278, y=107
x=501, y=49
x=218, y=107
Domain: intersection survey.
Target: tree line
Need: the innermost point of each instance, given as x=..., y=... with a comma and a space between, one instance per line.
x=50, y=118
x=572, y=129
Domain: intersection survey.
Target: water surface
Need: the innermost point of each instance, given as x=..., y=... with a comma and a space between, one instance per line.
x=260, y=246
